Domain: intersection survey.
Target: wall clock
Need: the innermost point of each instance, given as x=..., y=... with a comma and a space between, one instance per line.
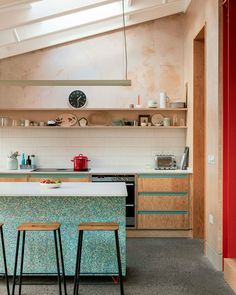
x=77, y=99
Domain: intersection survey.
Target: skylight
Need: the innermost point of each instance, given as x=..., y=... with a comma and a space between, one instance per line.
x=73, y=20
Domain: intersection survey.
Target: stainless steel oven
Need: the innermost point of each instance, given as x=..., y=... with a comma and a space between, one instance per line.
x=130, y=200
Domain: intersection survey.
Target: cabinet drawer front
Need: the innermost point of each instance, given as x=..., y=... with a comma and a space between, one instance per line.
x=62, y=177
x=150, y=202
x=163, y=184
x=163, y=220
x=13, y=178
x=33, y=179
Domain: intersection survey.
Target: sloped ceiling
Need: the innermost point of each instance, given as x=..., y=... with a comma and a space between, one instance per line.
x=28, y=25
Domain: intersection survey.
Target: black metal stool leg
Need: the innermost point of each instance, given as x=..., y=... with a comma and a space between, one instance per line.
x=62, y=261
x=22, y=262
x=78, y=263
x=5, y=261
x=16, y=261
x=119, y=262
x=58, y=265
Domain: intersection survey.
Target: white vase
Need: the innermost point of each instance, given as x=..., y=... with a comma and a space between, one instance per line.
x=12, y=164
x=163, y=100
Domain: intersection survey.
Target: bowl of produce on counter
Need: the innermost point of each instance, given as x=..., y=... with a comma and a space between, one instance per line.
x=48, y=183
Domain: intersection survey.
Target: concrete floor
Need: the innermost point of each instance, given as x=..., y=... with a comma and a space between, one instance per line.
x=155, y=267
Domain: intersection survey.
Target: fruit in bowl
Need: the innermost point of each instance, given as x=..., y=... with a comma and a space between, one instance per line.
x=49, y=183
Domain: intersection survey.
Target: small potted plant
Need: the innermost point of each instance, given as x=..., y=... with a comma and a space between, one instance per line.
x=12, y=163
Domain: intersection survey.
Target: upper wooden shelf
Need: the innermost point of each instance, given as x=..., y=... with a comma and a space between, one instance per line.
x=96, y=109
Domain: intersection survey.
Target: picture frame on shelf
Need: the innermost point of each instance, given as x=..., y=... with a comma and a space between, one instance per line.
x=143, y=120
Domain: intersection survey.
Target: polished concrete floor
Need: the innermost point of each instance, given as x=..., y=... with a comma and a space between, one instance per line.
x=155, y=267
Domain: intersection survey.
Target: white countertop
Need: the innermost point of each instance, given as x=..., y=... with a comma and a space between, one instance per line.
x=88, y=189
x=109, y=170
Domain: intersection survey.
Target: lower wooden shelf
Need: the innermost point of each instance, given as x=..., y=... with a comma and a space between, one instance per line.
x=95, y=127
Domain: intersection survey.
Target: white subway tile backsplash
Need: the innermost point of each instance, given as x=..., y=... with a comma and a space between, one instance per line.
x=105, y=147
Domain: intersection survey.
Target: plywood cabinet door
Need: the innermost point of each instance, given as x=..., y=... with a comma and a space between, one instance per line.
x=13, y=178
x=163, y=184
x=148, y=202
x=163, y=201
x=150, y=220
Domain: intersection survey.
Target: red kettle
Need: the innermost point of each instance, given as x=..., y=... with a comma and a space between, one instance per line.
x=80, y=163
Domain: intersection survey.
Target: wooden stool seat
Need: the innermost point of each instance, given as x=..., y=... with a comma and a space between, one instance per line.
x=90, y=226
x=39, y=226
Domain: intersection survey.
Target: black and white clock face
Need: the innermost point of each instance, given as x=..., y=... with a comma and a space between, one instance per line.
x=77, y=99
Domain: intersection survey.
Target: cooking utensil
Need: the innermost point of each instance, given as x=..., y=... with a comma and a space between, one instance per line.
x=80, y=163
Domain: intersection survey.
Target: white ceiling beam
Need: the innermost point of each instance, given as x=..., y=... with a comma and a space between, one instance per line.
x=45, y=10
x=88, y=30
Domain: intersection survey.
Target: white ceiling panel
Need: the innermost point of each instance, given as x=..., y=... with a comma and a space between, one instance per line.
x=44, y=24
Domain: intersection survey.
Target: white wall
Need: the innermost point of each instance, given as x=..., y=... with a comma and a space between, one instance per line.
x=155, y=63
x=105, y=148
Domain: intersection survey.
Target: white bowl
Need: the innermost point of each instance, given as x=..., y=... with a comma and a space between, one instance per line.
x=50, y=185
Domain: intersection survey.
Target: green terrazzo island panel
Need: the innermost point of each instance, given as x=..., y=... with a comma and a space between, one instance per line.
x=98, y=254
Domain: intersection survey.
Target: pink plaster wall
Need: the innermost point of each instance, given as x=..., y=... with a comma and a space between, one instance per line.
x=155, y=63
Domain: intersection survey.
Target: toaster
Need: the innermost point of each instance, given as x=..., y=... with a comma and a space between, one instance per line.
x=165, y=162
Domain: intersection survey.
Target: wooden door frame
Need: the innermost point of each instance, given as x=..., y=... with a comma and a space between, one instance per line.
x=199, y=123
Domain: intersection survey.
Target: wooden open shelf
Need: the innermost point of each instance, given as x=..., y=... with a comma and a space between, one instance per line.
x=97, y=109
x=95, y=127
x=45, y=114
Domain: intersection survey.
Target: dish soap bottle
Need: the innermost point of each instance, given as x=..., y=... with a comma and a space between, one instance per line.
x=23, y=159
x=28, y=161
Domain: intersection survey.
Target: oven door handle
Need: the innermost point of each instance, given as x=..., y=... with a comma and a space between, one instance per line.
x=130, y=184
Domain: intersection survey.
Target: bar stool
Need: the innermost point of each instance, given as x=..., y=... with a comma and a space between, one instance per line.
x=53, y=227
x=96, y=226
x=4, y=258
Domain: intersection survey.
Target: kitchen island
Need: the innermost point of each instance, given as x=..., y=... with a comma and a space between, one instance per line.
x=71, y=204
